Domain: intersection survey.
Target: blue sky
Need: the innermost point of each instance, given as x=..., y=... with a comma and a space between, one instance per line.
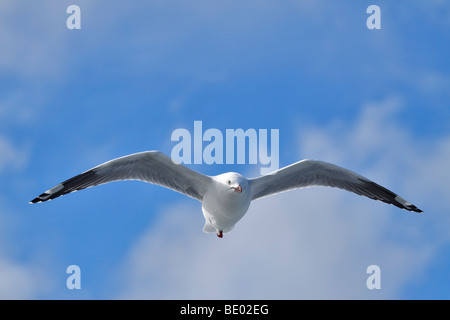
x=373, y=101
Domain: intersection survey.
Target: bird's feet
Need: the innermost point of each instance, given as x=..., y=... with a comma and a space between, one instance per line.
x=220, y=234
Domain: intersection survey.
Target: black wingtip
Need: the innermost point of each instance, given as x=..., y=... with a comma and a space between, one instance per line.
x=414, y=209
x=406, y=205
x=385, y=195
x=43, y=197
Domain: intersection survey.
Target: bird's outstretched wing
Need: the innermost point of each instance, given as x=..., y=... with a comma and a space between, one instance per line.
x=150, y=166
x=307, y=173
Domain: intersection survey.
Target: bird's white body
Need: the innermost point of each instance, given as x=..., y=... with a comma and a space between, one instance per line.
x=222, y=205
x=225, y=198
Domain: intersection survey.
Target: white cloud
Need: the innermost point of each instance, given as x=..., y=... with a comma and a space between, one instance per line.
x=11, y=156
x=313, y=243
x=14, y=280
x=18, y=280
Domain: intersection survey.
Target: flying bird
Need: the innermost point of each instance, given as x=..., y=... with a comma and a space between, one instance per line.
x=226, y=197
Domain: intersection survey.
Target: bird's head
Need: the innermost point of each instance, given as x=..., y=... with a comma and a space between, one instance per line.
x=233, y=182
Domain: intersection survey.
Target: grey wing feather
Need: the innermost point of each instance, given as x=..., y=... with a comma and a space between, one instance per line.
x=307, y=173
x=150, y=166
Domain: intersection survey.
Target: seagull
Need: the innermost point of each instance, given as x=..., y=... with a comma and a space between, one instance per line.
x=226, y=197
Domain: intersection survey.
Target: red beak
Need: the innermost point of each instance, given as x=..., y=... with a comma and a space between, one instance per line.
x=238, y=189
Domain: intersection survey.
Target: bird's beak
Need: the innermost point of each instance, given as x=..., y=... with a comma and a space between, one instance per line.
x=238, y=189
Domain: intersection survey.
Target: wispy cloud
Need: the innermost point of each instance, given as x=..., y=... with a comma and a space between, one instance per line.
x=11, y=156
x=18, y=279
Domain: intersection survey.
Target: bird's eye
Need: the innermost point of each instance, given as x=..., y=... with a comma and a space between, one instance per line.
x=229, y=181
